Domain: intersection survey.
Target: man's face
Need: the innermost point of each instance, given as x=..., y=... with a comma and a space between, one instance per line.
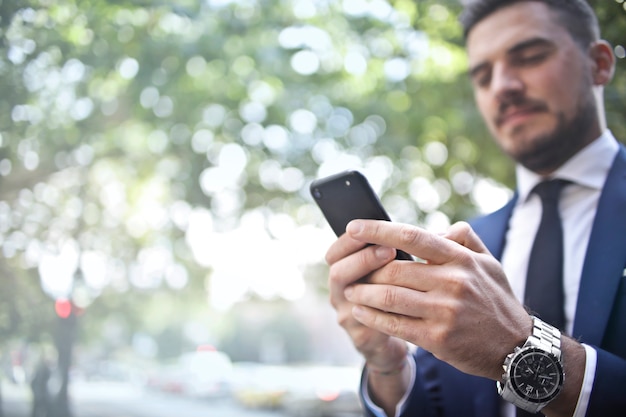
x=533, y=85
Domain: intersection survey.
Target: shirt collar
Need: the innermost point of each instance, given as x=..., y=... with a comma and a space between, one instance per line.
x=588, y=168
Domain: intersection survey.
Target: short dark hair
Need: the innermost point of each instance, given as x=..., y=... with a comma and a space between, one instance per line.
x=576, y=16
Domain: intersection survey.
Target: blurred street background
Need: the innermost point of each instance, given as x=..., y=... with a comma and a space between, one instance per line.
x=116, y=399
x=278, y=396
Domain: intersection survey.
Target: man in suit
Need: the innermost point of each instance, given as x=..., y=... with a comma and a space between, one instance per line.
x=538, y=68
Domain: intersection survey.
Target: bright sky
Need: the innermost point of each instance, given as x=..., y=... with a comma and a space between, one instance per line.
x=248, y=259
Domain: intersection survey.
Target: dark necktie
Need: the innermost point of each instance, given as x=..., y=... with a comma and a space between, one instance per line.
x=544, y=281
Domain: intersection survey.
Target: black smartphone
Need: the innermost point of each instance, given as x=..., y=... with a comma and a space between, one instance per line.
x=347, y=196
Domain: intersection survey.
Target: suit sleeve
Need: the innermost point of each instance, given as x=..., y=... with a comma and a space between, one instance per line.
x=414, y=403
x=608, y=396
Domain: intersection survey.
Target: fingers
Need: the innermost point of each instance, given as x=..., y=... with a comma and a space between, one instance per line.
x=351, y=268
x=389, y=299
x=463, y=234
x=343, y=246
x=354, y=267
x=365, y=339
x=402, y=327
x=411, y=239
x=359, y=264
x=416, y=241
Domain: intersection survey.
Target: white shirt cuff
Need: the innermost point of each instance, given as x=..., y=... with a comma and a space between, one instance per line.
x=590, y=373
x=376, y=410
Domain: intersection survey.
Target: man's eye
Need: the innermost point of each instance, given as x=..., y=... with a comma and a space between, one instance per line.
x=530, y=59
x=482, y=79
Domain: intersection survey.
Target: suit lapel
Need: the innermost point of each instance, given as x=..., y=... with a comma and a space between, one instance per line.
x=605, y=259
x=493, y=227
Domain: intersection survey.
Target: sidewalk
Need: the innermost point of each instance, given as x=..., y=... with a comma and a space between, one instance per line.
x=16, y=400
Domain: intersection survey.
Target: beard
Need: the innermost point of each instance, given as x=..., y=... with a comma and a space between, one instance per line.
x=547, y=152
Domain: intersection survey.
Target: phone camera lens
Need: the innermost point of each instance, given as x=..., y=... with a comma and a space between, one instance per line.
x=317, y=193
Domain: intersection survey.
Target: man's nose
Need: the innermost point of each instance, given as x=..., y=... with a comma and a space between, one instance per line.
x=506, y=81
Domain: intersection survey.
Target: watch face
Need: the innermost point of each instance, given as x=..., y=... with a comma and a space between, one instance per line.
x=536, y=376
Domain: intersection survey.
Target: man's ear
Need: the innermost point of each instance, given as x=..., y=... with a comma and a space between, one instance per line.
x=603, y=62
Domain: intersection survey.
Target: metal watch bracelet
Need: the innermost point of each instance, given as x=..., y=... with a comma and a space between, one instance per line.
x=544, y=337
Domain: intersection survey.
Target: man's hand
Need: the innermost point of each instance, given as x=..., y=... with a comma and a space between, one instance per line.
x=457, y=304
x=352, y=261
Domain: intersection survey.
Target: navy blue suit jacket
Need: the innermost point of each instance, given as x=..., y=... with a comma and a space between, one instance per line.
x=442, y=391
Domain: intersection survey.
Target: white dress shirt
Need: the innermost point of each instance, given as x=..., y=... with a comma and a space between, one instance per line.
x=587, y=170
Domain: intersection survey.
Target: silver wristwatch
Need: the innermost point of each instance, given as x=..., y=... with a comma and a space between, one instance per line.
x=533, y=374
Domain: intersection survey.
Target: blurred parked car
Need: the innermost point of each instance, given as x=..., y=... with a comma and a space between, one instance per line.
x=324, y=391
x=206, y=372
x=261, y=386
x=169, y=378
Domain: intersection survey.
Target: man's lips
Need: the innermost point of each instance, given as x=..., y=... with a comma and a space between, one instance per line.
x=517, y=113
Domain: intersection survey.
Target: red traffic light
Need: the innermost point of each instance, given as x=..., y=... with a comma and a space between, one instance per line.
x=63, y=308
